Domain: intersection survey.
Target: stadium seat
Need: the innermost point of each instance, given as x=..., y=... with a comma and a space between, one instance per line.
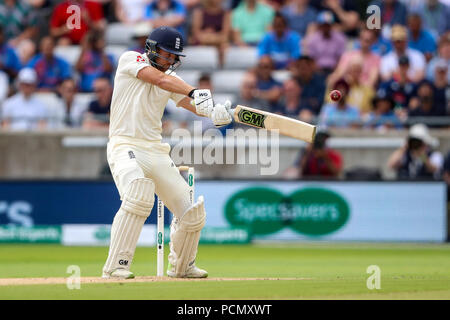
x=227, y=81
x=85, y=98
x=116, y=51
x=200, y=58
x=222, y=97
x=68, y=53
x=240, y=58
x=191, y=77
x=119, y=34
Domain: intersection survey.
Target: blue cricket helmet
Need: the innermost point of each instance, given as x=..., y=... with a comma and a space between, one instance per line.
x=166, y=38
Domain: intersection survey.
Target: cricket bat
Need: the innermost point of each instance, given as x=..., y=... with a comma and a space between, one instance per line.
x=270, y=121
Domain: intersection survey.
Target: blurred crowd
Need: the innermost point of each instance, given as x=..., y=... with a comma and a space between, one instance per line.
x=388, y=76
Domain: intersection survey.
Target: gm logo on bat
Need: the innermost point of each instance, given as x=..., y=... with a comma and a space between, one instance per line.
x=252, y=118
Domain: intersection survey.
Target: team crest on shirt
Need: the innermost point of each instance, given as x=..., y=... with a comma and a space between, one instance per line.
x=177, y=43
x=140, y=59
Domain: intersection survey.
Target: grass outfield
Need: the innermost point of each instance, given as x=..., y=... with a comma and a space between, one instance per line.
x=326, y=271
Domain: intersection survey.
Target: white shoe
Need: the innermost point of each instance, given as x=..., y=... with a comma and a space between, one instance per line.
x=191, y=272
x=118, y=274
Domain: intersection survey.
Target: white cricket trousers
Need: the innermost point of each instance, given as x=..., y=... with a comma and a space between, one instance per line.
x=131, y=158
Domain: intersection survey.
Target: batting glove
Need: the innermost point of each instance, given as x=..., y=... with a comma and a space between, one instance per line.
x=203, y=101
x=220, y=115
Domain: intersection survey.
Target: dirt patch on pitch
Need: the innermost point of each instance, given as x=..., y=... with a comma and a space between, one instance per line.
x=86, y=280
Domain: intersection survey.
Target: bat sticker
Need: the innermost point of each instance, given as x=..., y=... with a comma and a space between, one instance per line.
x=252, y=118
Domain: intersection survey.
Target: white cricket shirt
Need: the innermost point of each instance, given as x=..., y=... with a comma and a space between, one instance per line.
x=137, y=106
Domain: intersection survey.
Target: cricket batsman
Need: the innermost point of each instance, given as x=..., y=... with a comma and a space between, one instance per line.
x=140, y=163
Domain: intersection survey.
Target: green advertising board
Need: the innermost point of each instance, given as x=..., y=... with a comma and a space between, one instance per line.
x=309, y=211
x=37, y=234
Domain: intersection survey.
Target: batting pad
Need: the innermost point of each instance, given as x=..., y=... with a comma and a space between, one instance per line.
x=127, y=225
x=185, y=235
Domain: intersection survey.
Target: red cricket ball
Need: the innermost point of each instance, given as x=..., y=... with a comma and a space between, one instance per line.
x=335, y=95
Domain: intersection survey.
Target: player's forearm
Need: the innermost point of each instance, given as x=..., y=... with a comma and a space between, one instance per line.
x=164, y=81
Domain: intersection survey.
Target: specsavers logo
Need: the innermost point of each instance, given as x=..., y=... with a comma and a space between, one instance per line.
x=309, y=211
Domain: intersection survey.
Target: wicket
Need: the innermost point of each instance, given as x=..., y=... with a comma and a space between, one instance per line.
x=160, y=221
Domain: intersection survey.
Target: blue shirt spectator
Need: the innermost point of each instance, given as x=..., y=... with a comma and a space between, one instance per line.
x=282, y=44
x=51, y=70
x=94, y=62
x=9, y=61
x=267, y=88
x=167, y=13
x=419, y=38
x=380, y=47
x=338, y=115
x=383, y=115
x=392, y=12
x=312, y=84
x=299, y=16
x=435, y=16
x=425, y=43
x=93, y=69
x=400, y=91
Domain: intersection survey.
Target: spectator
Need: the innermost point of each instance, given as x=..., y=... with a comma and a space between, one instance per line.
x=344, y=12
x=281, y=44
x=416, y=159
x=447, y=179
x=42, y=11
x=290, y=102
x=140, y=34
x=443, y=55
x=318, y=161
x=267, y=87
x=420, y=39
x=18, y=21
x=326, y=45
x=339, y=114
x=381, y=46
x=400, y=87
x=392, y=12
x=211, y=26
x=130, y=11
x=171, y=13
x=93, y=61
x=436, y=17
x=300, y=16
x=205, y=82
x=371, y=66
x=24, y=111
x=425, y=104
x=276, y=4
x=190, y=4
x=390, y=62
x=51, y=70
x=9, y=61
x=61, y=27
x=250, y=21
x=74, y=108
x=360, y=95
x=383, y=116
x=249, y=96
x=312, y=86
x=97, y=115
x=442, y=92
